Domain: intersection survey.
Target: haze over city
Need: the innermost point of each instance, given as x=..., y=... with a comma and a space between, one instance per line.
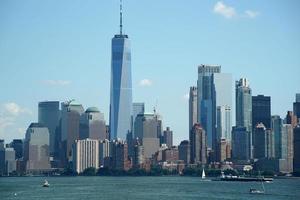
x=54, y=50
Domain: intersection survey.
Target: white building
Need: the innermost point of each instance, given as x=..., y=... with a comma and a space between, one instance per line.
x=85, y=154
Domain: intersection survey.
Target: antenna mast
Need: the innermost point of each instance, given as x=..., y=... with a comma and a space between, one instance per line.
x=121, y=26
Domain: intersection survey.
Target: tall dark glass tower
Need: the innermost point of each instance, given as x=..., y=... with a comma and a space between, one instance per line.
x=261, y=110
x=120, y=86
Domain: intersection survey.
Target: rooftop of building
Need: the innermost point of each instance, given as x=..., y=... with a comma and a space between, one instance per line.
x=92, y=109
x=36, y=125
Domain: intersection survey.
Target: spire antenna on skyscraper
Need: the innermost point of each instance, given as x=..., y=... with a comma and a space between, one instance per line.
x=121, y=26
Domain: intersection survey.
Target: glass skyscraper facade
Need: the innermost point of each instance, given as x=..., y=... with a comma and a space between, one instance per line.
x=206, y=101
x=261, y=110
x=49, y=116
x=121, y=88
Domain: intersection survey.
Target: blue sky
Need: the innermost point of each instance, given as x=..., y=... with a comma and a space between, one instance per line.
x=60, y=50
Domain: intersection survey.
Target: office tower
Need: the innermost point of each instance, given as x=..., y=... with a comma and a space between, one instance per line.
x=147, y=128
x=137, y=108
x=184, y=151
x=223, y=102
x=85, y=154
x=198, y=145
x=70, y=120
x=261, y=110
x=291, y=119
x=259, y=141
x=207, y=101
x=7, y=161
x=17, y=145
x=168, y=137
x=138, y=155
x=36, y=148
x=121, y=86
x=104, y=151
x=243, y=104
x=276, y=126
x=49, y=116
x=193, y=107
x=296, y=107
x=92, y=124
x=287, y=148
x=240, y=143
x=296, y=161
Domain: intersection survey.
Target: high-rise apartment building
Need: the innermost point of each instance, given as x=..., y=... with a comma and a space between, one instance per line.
x=85, y=154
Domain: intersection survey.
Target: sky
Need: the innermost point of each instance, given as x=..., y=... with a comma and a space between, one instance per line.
x=60, y=50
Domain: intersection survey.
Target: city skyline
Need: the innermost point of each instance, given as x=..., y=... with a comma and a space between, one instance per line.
x=64, y=78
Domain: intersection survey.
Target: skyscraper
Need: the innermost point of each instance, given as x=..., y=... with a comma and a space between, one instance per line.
x=296, y=107
x=287, y=148
x=296, y=162
x=243, y=99
x=146, y=129
x=240, y=143
x=223, y=102
x=261, y=110
x=70, y=120
x=36, y=150
x=92, y=124
x=121, y=86
x=49, y=116
x=193, y=107
x=276, y=126
x=206, y=101
x=243, y=104
x=168, y=137
x=260, y=141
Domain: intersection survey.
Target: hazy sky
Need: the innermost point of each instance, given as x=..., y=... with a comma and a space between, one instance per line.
x=60, y=50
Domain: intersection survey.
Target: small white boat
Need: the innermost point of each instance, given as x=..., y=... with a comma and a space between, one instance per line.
x=46, y=184
x=256, y=191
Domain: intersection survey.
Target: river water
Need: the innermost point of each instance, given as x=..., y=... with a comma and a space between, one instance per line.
x=164, y=188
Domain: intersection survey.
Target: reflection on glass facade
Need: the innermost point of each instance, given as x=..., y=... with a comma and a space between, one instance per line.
x=206, y=100
x=121, y=88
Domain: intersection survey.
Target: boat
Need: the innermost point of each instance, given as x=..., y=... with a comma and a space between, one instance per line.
x=46, y=184
x=256, y=191
x=243, y=178
x=203, y=174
